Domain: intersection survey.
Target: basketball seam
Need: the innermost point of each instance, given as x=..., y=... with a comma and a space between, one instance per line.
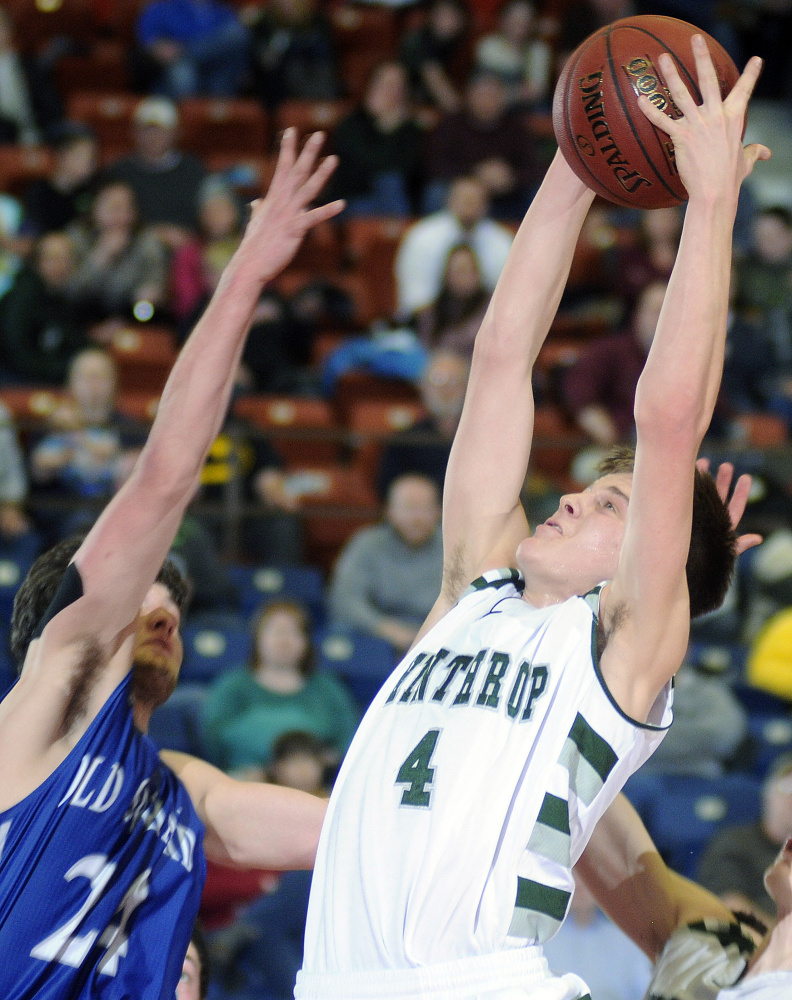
x=619, y=94
x=574, y=146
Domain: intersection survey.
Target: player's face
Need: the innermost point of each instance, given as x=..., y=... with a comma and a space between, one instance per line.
x=157, y=652
x=778, y=880
x=189, y=987
x=578, y=547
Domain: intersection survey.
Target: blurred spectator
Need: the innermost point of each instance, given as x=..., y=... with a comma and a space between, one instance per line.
x=424, y=250
x=769, y=665
x=241, y=459
x=443, y=384
x=710, y=723
x=81, y=457
x=247, y=709
x=581, y=18
x=119, y=263
x=387, y=578
x=166, y=181
x=197, y=264
x=379, y=146
x=294, y=56
x=599, y=389
x=29, y=100
x=589, y=945
x=198, y=47
x=633, y=267
x=260, y=954
x=430, y=51
x=734, y=863
x=194, y=981
x=52, y=202
x=517, y=55
x=40, y=328
x=453, y=320
x=14, y=522
x=487, y=140
x=764, y=274
x=14, y=247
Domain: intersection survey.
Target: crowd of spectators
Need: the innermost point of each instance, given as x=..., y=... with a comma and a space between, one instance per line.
x=442, y=140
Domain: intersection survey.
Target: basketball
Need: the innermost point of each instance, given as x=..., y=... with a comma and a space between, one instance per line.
x=604, y=136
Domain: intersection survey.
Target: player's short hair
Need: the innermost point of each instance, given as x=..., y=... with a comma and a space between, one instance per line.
x=41, y=584
x=713, y=541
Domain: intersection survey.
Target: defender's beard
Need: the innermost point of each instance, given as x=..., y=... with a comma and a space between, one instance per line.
x=153, y=678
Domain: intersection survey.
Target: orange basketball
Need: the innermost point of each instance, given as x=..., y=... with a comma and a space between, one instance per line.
x=604, y=136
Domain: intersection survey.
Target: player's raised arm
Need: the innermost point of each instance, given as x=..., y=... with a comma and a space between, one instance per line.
x=676, y=394
x=482, y=518
x=123, y=552
x=623, y=870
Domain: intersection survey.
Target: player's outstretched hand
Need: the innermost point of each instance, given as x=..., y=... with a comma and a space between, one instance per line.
x=707, y=138
x=739, y=498
x=280, y=220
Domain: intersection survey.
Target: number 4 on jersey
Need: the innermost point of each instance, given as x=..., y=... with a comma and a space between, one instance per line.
x=417, y=773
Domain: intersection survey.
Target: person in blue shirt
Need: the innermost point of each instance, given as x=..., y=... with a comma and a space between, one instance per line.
x=199, y=47
x=101, y=860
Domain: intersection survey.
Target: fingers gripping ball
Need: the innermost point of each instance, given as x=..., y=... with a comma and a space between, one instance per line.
x=603, y=134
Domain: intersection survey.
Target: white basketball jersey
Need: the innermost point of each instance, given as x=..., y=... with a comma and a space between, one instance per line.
x=471, y=788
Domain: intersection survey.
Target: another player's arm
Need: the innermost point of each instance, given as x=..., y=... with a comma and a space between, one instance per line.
x=676, y=393
x=633, y=885
x=483, y=521
x=250, y=823
x=124, y=550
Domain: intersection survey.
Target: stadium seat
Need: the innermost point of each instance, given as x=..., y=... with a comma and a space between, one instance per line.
x=362, y=661
x=176, y=724
x=211, y=650
x=250, y=175
x=109, y=115
x=372, y=423
x=303, y=431
x=365, y=36
x=16, y=558
x=144, y=356
x=556, y=441
x=257, y=584
x=19, y=165
x=371, y=247
x=105, y=67
x=7, y=669
x=310, y=116
x=688, y=811
x=140, y=406
x=354, y=387
x=37, y=23
x=30, y=404
x=237, y=126
x=345, y=503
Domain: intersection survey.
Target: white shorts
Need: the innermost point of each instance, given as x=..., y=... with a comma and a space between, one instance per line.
x=519, y=974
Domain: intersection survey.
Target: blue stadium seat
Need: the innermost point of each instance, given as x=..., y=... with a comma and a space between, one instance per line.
x=688, y=811
x=16, y=558
x=211, y=648
x=362, y=661
x=259, y=584
x=176, y=725
x=8, y=672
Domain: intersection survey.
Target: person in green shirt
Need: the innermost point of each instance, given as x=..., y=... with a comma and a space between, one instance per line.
x=247, y=709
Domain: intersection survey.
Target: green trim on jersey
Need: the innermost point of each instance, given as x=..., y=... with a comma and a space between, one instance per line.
x=550, y=837
x=539, y=910
x=496, y=578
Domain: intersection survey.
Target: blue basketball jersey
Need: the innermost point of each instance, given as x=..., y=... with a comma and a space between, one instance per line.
x=101, y=872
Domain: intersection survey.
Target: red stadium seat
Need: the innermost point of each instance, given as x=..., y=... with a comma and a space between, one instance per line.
x=372, y=423
x=19, y=165
x=109, y=115
x=144, y=356
x=310, y=116
x=371, y=246
x=237, y=126
x=303, y=431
